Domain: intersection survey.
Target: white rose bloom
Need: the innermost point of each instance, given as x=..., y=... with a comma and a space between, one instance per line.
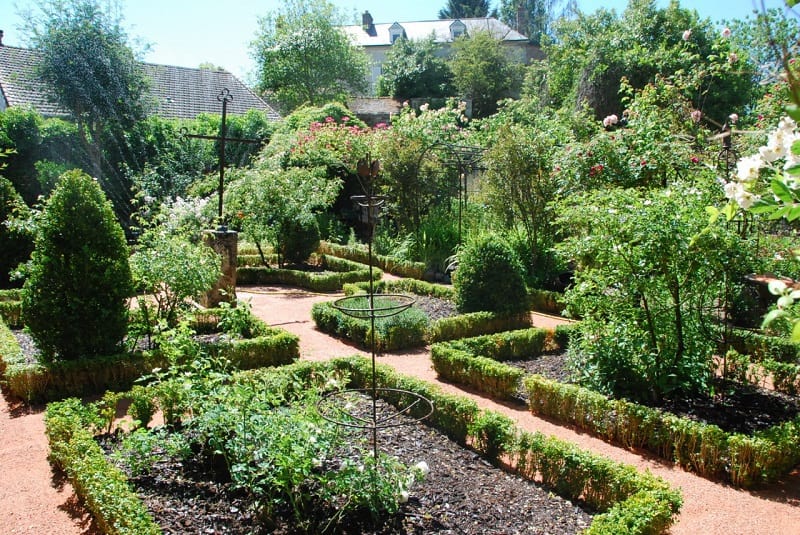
x=745, y=199
x=732, y=189
x=747, y=168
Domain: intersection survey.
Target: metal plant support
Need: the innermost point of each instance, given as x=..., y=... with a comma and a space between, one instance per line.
x=334, y=406
x=464, y=159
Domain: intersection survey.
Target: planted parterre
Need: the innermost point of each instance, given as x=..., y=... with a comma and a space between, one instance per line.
x=745, y=460
x=244, y=429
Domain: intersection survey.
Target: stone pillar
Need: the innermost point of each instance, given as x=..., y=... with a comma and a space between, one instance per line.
x=226, y=244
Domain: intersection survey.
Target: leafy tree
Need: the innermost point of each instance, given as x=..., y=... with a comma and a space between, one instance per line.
x=519, y=183
x=484, y=72
x=171, y=264
x=530, y=17
x=590, y=54
x=74, y=301
x=649, y=276
x=302, y=57
x=412, y=69
x=466, y=9
x=32, y=140
x=269, y=202
x=93, y=73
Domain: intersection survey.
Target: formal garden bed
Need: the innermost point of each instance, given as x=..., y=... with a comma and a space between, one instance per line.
x=35, y=381
x=320, y=273
x=440, y=486
x=743, y=434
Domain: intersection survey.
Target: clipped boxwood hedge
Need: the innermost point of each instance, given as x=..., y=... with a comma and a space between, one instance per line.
x=476, y=361
x=11, y=307
x=36, y=382
x=705, y=449
x=401, y=268
x=338, y=273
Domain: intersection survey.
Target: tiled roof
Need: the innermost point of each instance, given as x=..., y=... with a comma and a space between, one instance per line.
x=423, y=29
x=176, y=92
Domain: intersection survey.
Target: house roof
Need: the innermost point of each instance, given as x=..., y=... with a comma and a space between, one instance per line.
x=440, y=29
x=177, y=92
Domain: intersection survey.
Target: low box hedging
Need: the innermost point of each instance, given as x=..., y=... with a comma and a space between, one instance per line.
x=11, y=307
x=762, y=347
x=507, y=345
x=545, y=301
x=629, y=502
x=412, y=286
x=402, y=331
x=401, y=268
x=339, y=272
x=102, y=487
x=777, y=355
x=475, y=324
x=499, y=380
x=702, y=448
x=36, y=382
x=477, y=361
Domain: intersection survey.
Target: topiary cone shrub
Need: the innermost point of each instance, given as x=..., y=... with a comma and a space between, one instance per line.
x=74, y=297
x=490, y=278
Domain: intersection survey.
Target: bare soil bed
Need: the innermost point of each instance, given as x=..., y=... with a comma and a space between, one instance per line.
x=462, y=494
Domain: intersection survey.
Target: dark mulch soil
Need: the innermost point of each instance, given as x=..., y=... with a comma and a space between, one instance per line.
x=736, y=408
x=434, y=307
x=462, y=494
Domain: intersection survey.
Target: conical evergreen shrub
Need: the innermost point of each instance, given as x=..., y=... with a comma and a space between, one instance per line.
x=74, y=298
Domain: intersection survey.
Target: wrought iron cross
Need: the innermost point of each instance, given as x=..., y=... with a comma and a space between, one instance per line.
x=224, y=97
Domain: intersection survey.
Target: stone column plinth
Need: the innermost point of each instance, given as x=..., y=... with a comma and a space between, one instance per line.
x=226, y=244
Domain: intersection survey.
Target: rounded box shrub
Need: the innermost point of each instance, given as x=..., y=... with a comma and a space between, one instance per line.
x=490, y=278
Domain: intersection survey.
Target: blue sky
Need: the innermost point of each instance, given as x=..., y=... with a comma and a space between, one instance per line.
x=189, y=32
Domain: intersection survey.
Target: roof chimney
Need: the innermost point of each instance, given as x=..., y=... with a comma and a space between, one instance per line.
x=367, y=24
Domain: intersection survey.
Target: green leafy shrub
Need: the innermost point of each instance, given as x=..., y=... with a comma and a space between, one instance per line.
x=298, y=237
x=103, y=488
x=74, y=299
x=489, y=278
x=15, y=244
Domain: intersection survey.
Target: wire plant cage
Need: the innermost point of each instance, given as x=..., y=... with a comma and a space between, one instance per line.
x=341, y=407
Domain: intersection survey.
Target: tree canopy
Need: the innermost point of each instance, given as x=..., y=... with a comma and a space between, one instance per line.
x=412, y=69
x=302, y=56
x=93, y=73
x=590, y=54
x=531, y=18
x=483, y=72
x=466, y=9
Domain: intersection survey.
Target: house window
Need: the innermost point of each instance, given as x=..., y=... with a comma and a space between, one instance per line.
x=457, y=29
x=395, y=32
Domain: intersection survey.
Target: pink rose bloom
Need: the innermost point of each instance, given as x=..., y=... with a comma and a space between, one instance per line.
x=733, y=117
x=687, y=35
x=726, y=32
x=696, y=116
